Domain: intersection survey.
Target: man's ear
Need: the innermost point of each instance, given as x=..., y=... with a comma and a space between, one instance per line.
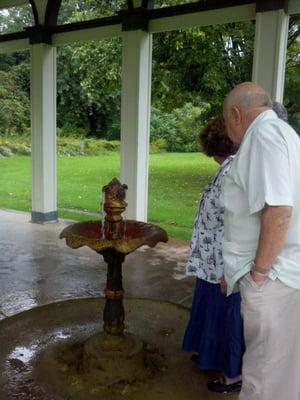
x=236, y=115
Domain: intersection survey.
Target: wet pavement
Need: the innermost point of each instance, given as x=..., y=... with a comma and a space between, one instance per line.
x=38, y=268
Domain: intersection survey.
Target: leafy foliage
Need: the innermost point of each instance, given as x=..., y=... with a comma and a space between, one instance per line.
x=14, y=110
x=88, y=86
x=193, y=69
x=66, y=146
x=179, y=129
x=292, y=83
x=201, y=65
x=81, y=10
x=16, y=19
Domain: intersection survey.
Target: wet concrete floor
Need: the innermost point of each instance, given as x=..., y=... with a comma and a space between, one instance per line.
x=38, y=268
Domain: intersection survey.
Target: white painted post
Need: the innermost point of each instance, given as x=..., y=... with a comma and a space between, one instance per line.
x=43, y=132
x=135, y=120
x=270, y=52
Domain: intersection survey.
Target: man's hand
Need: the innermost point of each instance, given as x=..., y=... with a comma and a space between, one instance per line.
x=223, y=286
x=258, y=278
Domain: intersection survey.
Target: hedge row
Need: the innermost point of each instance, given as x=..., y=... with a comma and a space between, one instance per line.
x=70, y=146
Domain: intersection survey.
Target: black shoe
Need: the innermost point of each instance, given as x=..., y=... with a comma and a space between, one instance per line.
x=195, y=358
x=219, y=385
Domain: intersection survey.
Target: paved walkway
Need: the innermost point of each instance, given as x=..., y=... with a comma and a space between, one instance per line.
x=37, y=268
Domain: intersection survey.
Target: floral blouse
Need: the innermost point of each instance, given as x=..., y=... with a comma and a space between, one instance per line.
x=206, y=259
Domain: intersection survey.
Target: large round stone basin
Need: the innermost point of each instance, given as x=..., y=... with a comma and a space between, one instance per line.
x=33, y=365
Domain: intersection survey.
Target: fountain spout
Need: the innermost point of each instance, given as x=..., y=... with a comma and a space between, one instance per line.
x=114, y=206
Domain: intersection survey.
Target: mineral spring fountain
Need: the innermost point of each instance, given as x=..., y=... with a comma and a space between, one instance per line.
x=113, y=355
x=62, y=351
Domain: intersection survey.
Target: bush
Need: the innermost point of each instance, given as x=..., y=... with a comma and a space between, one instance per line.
x=14, y=110
x=69, y=130
x=65, y=146
x=113, y=130
x=158, y=146
x=179, y=129
x=70, y=147
x=85, y=147
x=5, y=151
x=98, y=146
x=15, y=145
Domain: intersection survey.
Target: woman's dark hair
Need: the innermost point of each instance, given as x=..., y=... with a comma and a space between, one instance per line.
x=214, y=140
x=280, y=110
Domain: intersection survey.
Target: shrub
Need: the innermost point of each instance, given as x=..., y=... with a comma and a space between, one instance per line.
x=65, y=146
x=113, y=130
x=158, y=146
x=69, y=130
x=85, y=147
x=95, y=146
x=14, y=145
x=70, y=147
x=180, y=128
x=14, y=110
x=5, y=151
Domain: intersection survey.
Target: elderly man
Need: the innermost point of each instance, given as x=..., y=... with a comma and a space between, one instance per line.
x=261, y=196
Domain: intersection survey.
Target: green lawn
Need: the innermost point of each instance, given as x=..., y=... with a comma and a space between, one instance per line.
x=176, y=181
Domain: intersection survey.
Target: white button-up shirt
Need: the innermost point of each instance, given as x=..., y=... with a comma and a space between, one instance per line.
x=266, y=170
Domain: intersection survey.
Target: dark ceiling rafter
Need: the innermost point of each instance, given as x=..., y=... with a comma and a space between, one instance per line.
x=6, y=37
x=42, y=32
x=93, y=23
x=147, y=12
x=52, y=11
x=34, y=11
x=271, y=5
x=147, y=4
x=199, y=6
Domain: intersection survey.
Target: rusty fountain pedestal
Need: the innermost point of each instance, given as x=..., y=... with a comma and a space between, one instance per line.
x=113, y=355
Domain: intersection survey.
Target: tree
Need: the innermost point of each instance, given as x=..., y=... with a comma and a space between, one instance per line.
x=201, y=65
x=292, y=83
x=89, y=86
x=194, y=67
x=80, y=10
x=89, y=73
x=14, y=110
x=15, y=19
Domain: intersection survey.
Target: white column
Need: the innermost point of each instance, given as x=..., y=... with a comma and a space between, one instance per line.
x=43, y=132
x=270, y=51
x=135, y=120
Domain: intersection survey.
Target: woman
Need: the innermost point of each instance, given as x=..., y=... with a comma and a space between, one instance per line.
x=215, y=329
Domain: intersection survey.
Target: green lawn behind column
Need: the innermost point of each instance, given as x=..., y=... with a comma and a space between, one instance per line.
x=176, y=181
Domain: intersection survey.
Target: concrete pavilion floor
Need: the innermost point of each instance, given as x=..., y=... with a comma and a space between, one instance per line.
x=37, y=268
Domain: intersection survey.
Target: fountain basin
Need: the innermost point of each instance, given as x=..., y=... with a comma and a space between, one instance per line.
x=91, y=234
x=40, y=348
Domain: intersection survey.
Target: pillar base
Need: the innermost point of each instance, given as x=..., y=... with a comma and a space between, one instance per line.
x=43, y=218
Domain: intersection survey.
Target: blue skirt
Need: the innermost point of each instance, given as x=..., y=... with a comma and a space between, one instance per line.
x=215, y=329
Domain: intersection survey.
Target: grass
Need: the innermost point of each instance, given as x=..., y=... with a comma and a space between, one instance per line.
x=176, y=181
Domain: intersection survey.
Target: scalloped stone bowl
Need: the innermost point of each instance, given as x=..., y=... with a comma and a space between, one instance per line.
x=90, y=233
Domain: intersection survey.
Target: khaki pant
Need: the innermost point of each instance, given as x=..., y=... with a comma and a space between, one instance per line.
x=271, y=363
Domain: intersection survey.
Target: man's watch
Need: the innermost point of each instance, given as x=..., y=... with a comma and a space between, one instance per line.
x=263, y=271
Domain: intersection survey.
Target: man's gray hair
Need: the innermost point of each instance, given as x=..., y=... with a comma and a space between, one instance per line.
x=248, y=96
